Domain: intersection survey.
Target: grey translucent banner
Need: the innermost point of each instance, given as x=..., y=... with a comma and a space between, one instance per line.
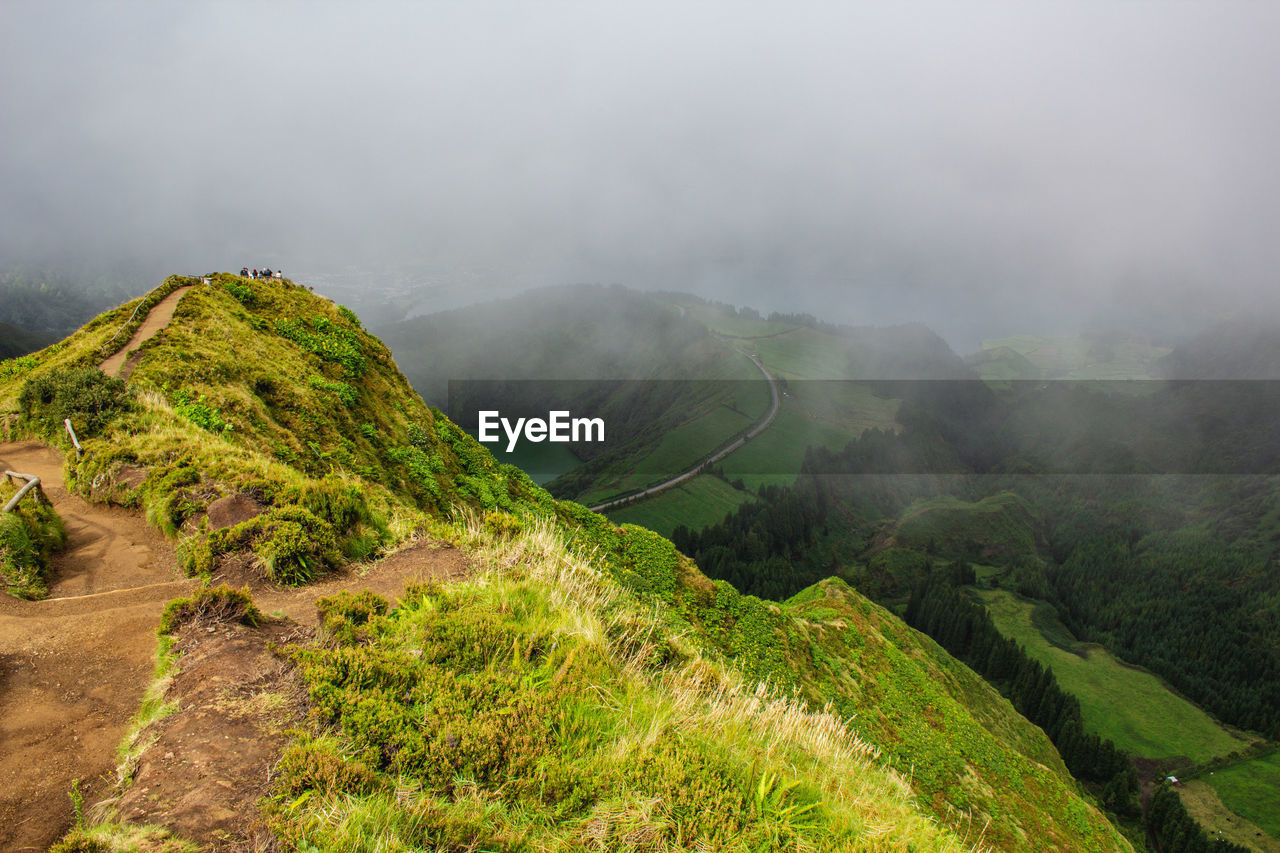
x=664, y=428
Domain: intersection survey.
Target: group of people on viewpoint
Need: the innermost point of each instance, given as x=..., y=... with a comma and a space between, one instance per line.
x=257, y=273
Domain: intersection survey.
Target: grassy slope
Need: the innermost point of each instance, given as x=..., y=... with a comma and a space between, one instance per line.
x=15, y=341
x=1249, y=789
x=574, y=719
x=698, y=502
x=1128, y=705
x=1067, y=357
x=941, y=724
x=969, y=759
x=999, y=527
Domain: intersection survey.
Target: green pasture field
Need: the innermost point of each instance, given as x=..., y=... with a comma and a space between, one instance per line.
x=805, y=353
x=1128, y=705
x=695, y=503
x=682, y=448
x=1251, y=789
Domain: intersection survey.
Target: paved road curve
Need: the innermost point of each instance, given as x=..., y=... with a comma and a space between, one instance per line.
x=715, y=457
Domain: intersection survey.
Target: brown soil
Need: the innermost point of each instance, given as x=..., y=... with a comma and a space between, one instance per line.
x=159, y=316
x=233, y=510
x=73, y=667
x=211, y=761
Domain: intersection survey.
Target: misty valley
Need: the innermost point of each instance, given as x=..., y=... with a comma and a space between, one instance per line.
x=1091, y=523
x=1085, y=529
x=771, y=427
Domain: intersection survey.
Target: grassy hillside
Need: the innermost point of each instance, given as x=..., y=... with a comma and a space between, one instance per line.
x=589, y=687
x=259, y=389
x=1125, y=704
x=1249, y=789
x=15, y=341
x=1104, y=355
x=998, y=529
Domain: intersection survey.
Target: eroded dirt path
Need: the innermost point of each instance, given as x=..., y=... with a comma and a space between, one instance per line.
x=210, y=762
x=73, y=669
x=159, y=316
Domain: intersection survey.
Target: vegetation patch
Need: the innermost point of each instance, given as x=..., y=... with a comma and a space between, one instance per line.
x=528, y=710
x=121, y=838
x=12, y=367
x=197, y=410
x=344, y=392
x=28, y=538
x=322, y=337
x=85, y=395
x=293, y=545
x=1119, y=702
x=210, y=606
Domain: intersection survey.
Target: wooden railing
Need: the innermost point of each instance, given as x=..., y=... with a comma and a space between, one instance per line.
x=33, y=485
x=72, y=432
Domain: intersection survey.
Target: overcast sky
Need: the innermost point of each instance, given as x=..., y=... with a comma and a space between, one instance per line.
x=974, y=166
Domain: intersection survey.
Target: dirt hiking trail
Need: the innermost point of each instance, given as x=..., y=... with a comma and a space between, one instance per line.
x=159, y=316
x=73, y=667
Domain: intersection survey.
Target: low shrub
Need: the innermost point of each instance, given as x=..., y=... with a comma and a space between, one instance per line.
x=294, y=545
x=85, y=395
x=211, y=605
x=343, y=617
x=199, y=412
x=316, y=763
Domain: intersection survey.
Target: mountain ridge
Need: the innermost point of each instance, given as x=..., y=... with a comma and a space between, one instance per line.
x=264, y=391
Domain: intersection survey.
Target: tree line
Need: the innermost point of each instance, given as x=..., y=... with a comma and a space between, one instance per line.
x=943, y=611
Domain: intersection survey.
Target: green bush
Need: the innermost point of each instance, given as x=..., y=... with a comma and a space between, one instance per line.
x=86, y=395
x=503, y=524
x=28, y=537
x=216, y=605
x=169, y=501
x=327, y=340
x=317, y=764
x=241, y=293
x=344, y=616
x=349, y=315
x=344, y=392
x=294, y=544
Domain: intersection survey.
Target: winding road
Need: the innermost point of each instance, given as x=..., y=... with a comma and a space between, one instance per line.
x=760, y=426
